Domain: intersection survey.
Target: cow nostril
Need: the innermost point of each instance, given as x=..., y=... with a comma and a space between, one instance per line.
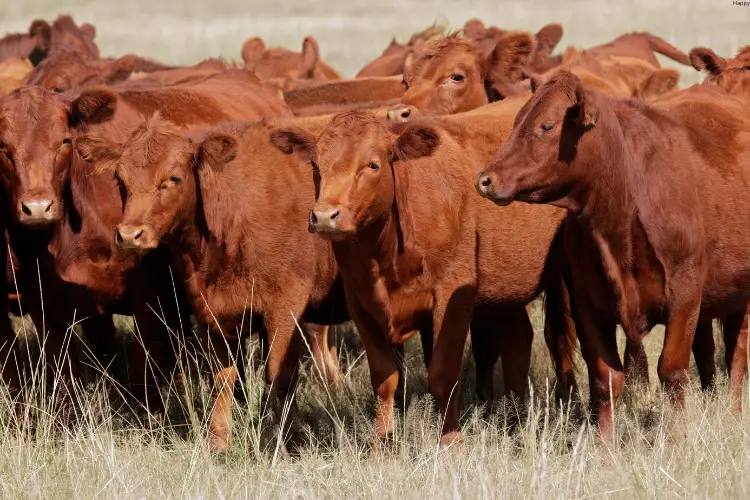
x=313, y=218
x=119, y=237
x=405, y=113
x=25, y=209
x=334, y=214
x=485, y=181
x=49, y=207
x=138, y=234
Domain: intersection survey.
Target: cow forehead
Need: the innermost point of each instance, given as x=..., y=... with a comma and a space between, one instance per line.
x=345, y=148
x=434, y=66
x=32, y=116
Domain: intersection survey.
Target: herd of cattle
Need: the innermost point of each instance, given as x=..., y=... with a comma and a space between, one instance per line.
x=279, y=192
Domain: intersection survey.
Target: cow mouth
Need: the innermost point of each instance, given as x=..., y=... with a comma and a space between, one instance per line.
x=331, y=234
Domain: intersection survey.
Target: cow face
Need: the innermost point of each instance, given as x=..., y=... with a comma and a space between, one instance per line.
x=535, y=165
x=154, y=171
x=451, y=76
x=353, y=164
x=732, y=75
x=36, y=129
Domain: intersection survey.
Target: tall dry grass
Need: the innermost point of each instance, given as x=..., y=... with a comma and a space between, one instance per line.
x=89, y=442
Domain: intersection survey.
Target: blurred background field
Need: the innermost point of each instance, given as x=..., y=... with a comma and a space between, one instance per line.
x=105, y=452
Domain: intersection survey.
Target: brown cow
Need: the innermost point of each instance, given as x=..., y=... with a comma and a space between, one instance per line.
x=415, y=252
x=397, y=58
x=66, y=70
x=450, y=76
x=643, y=253
x=732, y=75
x=12, y=72
x=176, y=191
x=47, y=187
x=44, y=39
x=276, y=63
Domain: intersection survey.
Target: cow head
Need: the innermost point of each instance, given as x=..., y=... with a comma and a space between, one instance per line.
x=452, y=76
x=353, y=166
x=66, y=70
x=537, y=163
x=281, y=63
x=732, y=75
x=36, y=132
x=154, y=168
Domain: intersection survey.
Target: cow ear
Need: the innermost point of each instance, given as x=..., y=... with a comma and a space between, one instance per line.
x=92, y=107
x=98, y=150
x=548, y=37
x=658, y=83
x=121, y=69
x=41, y=30
x=704, y=59
x=588, y=112
x=294, y=140
x=310, y=54
x=416, y=142
x=216, y=151
x=408, y=61
x=511, y=54
x=535, y=81
x=252, y=50
x=89, y=29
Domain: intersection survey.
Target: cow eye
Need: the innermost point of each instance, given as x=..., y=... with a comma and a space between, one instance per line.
x=457, y=78
x=547, y=126
x=175, y=180
x=67, y=141
x=58, y=90
x=374, y=166
x=405, y=85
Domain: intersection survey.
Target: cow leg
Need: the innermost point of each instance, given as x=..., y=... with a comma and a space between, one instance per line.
x=58, y=342
x=451, y=318
x=487, y=331
x=324, y=361
x=100, y=336
x=606, y=376
x=674, y=361
x=384, y=370
x=8, y=344
x=560, y=337
x=735, y=341
x=703, y=352
x=284, y=341
x=225, y=375
x=515, y=351
x=636, y=363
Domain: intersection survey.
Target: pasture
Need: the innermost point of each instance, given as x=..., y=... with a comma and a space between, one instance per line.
x=97, y=447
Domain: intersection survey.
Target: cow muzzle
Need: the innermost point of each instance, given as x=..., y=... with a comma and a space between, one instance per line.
x=401, y=113
x=486, y=185
x=135, y=237
x=328, y=223
x=37, y=212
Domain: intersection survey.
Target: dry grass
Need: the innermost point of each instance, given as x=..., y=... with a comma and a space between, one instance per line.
x=97, y=447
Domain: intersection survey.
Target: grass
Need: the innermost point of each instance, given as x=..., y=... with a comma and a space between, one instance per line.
x=96, y=446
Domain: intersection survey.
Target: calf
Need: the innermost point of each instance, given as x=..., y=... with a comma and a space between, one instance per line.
x=639, y=250
x=732, y=75
x=423, y=259
x=209, y=199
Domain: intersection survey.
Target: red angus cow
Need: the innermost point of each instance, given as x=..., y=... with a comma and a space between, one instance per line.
x=416, y=256
x=642, y=253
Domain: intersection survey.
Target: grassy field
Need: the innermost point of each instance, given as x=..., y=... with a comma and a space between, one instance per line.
x=99, y=448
